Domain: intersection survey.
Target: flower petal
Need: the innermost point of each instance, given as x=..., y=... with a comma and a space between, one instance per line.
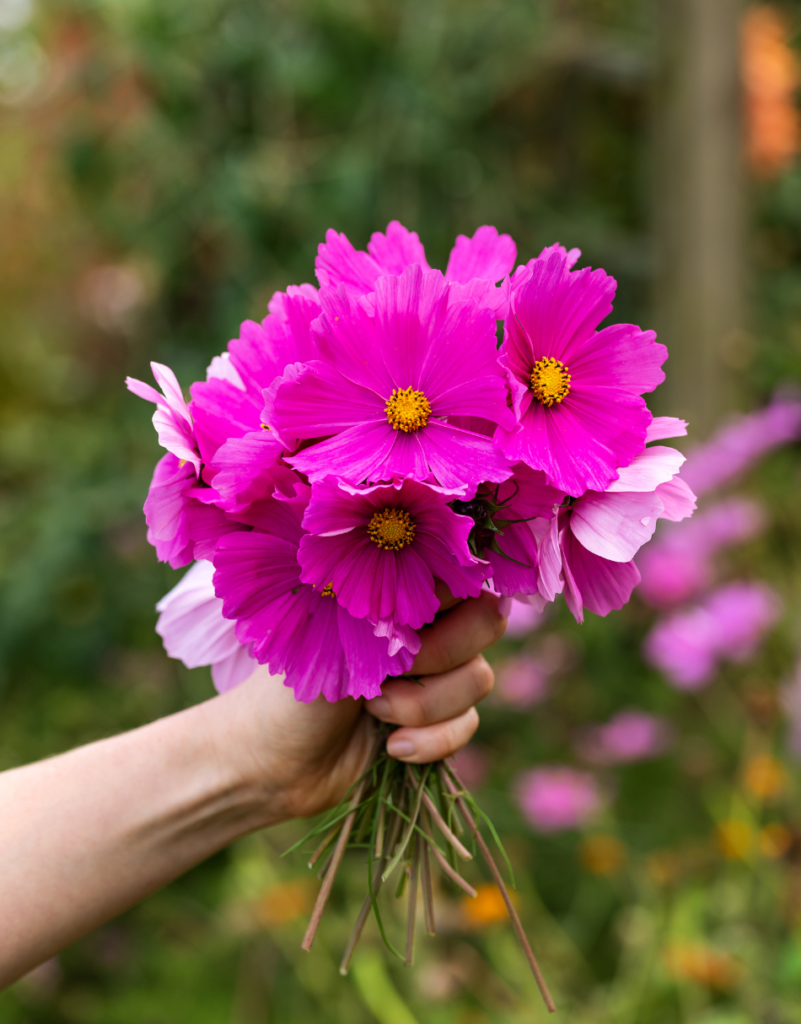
x=615, y=526
x=486, y=255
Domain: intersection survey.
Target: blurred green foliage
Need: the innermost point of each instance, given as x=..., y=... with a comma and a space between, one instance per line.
x=164, y=167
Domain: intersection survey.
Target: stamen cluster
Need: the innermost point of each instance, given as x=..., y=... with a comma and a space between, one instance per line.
x=550, y=381
x=391, y=529
x=407, y=410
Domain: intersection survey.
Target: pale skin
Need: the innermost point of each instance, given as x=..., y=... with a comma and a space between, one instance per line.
x=89, y=833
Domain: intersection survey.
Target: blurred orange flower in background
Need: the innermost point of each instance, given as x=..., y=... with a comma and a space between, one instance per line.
x=764, y=777
x=770, y=75
x=487, y=906
x=775, y=840
x=711, y=968
x=285, y=902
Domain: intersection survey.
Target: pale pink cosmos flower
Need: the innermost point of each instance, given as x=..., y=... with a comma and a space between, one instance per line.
x=172, y=419
x=553, y=798
x=193, y=629
x=629, y=736
x=728, y=625
x=737, y=446
x=588, y=549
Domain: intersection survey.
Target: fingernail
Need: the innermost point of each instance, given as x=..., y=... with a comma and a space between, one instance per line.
x=400, y=748
x=379, y=706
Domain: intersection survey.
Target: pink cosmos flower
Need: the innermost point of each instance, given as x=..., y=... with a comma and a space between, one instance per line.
x=677, y=565
x=629, y=736
x=728, y=625
x=183, y=519
x=386, y=384
x=575, y=391
x=172, y=419
x=554, y=798
x=736, y=447
x=295, y=628
x=523, y=682
x=240, y=454
x=380, y=549
x=165, y=511
x=193, y=629
x=475, y=263
x=589, y=548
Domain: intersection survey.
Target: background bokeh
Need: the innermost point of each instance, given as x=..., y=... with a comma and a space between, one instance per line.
x=165, y=165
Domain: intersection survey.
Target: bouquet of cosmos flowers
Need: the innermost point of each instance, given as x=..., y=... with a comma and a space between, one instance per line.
x=369, y=438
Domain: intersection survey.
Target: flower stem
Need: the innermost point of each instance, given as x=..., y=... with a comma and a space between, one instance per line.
x=473, y=827
x=413, y=877
x=339, y=852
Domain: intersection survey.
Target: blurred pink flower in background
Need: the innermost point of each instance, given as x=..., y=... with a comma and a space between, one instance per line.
x=735, y=447
x=472, y=764
x=791, y=703
x=629, y=736
x=555, y=797
x=677, y=565
x=522, y=682
x=524, y=618
x=728, y=625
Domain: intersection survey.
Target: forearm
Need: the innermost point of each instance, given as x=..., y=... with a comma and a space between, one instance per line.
x=89, y=833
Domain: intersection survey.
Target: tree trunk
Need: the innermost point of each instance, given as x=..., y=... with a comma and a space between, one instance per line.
x=699, y=207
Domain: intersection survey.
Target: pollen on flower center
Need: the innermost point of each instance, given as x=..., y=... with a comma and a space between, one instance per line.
x=328, y=590
x=391, y=529
x=550, y=381
x=407, y=409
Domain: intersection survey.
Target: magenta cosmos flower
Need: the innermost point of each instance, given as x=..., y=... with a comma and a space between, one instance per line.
x=295, y=628
x=589, y=548
x=239, y=453
x=193, y=629
x=475, y=264
x=172, y=419
x=575, y=390
x=554, y=797
x=380, y=549
x=386, y=384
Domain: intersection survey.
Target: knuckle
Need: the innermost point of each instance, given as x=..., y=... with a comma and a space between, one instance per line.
x=484, y=678
x=496, y=625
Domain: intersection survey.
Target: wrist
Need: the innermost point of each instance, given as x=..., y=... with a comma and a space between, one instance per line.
x=288, y=759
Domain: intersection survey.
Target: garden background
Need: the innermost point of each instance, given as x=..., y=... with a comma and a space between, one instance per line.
x=165, y=165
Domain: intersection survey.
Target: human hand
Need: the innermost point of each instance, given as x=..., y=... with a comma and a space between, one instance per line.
x=305, y=757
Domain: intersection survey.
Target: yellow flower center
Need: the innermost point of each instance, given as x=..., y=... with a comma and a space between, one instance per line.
x=550, y=381
x=407, y=409
x=391, y=529
x=328, y=590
